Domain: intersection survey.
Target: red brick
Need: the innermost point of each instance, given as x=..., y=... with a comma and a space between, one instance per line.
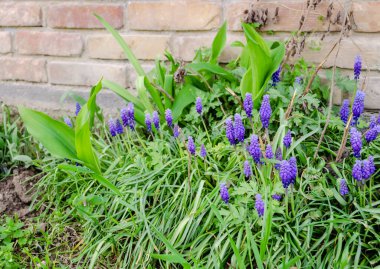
x=5, y=42
x=86, y=73
x=174, y=15
x=366, y=16
x=26, y=69
x=48, y=43
x=82, y=16
x=20, y=14
x=289, y=15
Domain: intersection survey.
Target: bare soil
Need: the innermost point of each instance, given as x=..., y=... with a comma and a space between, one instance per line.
x=16, y=192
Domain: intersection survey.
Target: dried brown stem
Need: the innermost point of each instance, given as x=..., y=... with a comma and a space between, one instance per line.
x=344, y=140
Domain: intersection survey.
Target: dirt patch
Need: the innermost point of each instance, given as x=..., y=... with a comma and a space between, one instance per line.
x=16, y=192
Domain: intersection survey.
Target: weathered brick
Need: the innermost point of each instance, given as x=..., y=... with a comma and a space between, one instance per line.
x=289, y=15
x=20, y=14
x=26, y=69
x=174, y=15
x=5, y=42
x=85, y=74
x=366, y=16
x=82, y=16
x=365, y=45
x=48, y=43
x=145, y=47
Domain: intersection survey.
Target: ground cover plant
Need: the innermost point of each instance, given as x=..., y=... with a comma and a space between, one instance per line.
x=244, y=181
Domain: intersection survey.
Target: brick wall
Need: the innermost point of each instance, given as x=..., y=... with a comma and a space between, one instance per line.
x=49, y=47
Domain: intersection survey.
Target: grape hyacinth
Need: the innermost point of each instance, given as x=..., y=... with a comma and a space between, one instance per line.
x=343, y=188
x=112, y=127
x=372, y=122
x=239, y=128
x=268, y=152
x=372, y=165
x=148, y=122
x=68, y=122
x=277, y=197
x=77, y=109
x=357, y=67
x=345, y=110
x=254, y=149
x=371, y=134
x=278, y=158
x=119, y=127
x=230, y=132
x=298, y=80
x=287, y=139
x=124, y=116
x=169, y=117
x=356, y=141
x=276, y=77
x=288, y=172
x=247, y=169
x=198, y=105
x=191, y=145
x=176, y=131
x=259, y=205
x=156, y=120
x=127, y=116
x=357, y=171
x=248, y=105
x=203, y=151
x=358, y=104
x=224, y=193
x=366, y=169
x=265, y=111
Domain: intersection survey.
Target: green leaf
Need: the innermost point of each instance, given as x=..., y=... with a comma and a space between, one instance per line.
x=213, y=68
x=56, y=136
x=218, y=43
x=83, y=144
x=168, y=87
x=127, y=51
x=123, y=93
x=142, y=92
x=240, y=262
x=106, y=183
x=184, y=97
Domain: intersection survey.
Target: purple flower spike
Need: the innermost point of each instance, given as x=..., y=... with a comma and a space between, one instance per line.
x=77, y=109
x=345, y=111
x=131, y=115
x=356, y=141
x=112, y=127
x=203, y=152
x=119, y=127
x=372, y=122
x=372, y=165
x=176, y=131
x=224, y=193
x=68, y=122
x=248, y=105
x=148, y=122
x=358, y=104
x=276, y=77
x=293, y=166
x=343, y=188
x=230, y=132
x=288, y=172
x=265, y=111
x=371, y=134
x=277, y=197
x=191, y=145
x=198, y=105
x=247, y=169
x=357, y=67
x=254, y=149
x=357, y=171
x=124, y=116
x=156, y=120
x=239, y=128
x=269, y=152
x=259, y=205
x=278, y=158
x=298, y=80
x=366, y=169
x=287, y=139
x=169, y=117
